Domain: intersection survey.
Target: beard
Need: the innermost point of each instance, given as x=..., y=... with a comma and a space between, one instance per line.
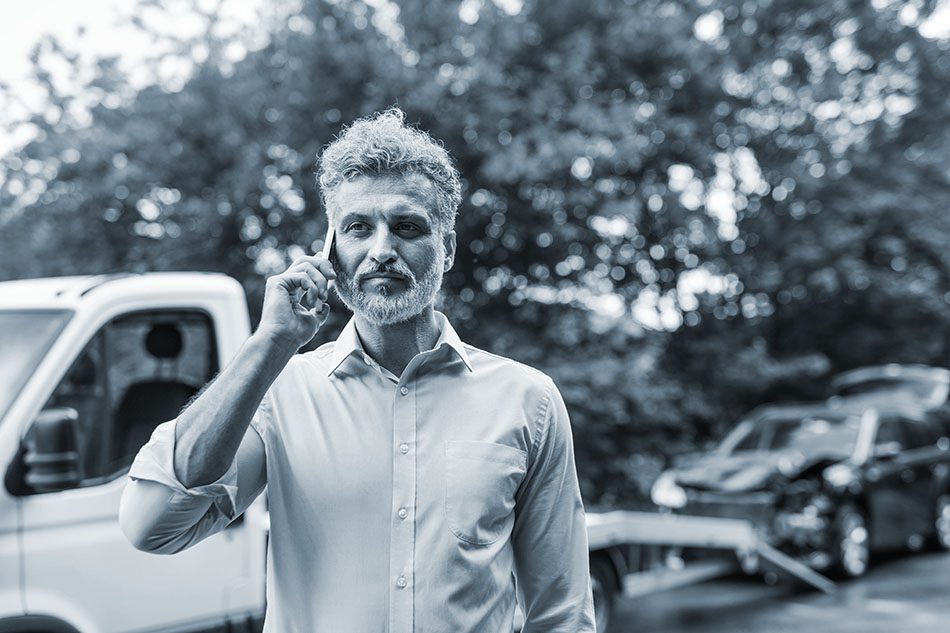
x=384, y=307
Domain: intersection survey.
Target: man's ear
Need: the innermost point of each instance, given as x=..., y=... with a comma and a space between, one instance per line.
x=448, y=241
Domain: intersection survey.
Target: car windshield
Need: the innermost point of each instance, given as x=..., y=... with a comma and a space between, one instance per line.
x=811, y=435
x=25, y=337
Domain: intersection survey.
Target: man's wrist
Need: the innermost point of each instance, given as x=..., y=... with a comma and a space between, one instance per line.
x=276, y=343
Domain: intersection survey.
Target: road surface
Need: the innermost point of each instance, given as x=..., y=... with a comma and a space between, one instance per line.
x=909, y=593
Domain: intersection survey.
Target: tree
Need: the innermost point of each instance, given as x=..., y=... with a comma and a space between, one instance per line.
x=679, y=210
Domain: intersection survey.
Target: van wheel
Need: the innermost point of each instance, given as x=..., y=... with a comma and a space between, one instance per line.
x=852, y=542
x=604, y=587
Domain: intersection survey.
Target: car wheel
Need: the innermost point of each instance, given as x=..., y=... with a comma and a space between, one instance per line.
x=604, y=587
x=852, y=542
x=942, y=522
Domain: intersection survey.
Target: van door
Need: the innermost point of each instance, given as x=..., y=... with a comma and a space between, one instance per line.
x=139, y=370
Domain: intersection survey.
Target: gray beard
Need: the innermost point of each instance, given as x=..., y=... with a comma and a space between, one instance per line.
x=382, y=308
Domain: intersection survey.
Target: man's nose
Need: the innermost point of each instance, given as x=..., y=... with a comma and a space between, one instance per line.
x=383, y=250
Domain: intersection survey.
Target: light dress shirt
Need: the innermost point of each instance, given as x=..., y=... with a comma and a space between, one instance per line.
x=420, y=503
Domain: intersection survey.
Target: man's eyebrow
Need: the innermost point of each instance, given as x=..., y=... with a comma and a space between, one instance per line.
x=412, y=215
x=349, y=216
x=397, y=215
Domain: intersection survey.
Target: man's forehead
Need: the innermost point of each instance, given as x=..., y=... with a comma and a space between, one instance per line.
x=386, y=192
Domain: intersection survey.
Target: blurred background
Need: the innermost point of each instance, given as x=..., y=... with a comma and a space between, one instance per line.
x=679, y=210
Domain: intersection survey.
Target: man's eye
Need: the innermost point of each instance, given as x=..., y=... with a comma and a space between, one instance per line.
x=406, y=227
x=357, y=226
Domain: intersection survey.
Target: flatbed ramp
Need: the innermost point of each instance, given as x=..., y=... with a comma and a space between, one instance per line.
x=622, y=527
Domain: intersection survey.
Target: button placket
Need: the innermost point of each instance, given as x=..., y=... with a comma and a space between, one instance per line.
x=402, y=528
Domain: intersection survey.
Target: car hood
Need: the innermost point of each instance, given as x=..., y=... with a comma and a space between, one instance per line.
x=743, y=472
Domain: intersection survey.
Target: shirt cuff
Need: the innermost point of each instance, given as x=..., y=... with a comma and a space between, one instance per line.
x=155, y=462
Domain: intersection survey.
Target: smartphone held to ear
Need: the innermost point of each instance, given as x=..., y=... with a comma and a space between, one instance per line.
x=301, y=296
x=328, y=242
x=327, y=250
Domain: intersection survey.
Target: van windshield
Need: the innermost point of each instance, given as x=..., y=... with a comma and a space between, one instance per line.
x=25, y=337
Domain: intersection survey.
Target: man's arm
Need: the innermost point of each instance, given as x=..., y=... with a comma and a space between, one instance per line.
x=201, y=470
x=209, y=431
x=159, y=515
x=550, y=533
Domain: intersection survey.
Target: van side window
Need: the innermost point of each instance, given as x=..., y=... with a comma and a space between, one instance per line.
x=138, y=371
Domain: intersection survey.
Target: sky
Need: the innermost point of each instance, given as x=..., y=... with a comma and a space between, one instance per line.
x=25, y=23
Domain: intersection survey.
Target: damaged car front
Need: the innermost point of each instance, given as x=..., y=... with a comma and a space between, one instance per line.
x=788, y=469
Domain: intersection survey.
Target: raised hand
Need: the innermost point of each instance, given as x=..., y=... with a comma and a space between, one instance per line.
x=295, y=301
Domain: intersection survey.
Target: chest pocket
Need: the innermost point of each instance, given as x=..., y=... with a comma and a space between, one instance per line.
x=481, y=479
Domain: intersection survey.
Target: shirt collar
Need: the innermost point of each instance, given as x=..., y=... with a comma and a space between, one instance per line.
x=348, y=343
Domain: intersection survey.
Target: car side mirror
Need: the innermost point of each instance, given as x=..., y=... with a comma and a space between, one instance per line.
x=888, y=450
x=50, y=455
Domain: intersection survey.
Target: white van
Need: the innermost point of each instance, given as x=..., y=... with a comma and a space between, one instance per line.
x=88, y=367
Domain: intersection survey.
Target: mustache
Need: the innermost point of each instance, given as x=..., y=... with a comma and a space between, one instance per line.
x=384, y=269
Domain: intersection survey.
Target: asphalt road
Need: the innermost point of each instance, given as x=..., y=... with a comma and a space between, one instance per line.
x=909, y=593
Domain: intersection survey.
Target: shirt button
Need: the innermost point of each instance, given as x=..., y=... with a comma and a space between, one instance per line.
x=404, y=390
x=401, y=582
x=403, y=513
x=404, y=448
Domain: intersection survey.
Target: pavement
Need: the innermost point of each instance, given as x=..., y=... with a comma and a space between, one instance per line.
x=908, y=593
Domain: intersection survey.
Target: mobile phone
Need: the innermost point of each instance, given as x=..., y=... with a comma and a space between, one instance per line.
x=327, y=251
x=300, y=295
x=328, y=242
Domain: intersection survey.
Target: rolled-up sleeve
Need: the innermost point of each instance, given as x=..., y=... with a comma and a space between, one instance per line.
x=159, y=514
x=550, y=532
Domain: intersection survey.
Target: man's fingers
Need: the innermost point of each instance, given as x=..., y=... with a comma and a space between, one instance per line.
x=315, y=297
x=303, y=291
x=323, y=313
x=319, y=262
x=325, y=267
x=318, y=278
x=295, y=281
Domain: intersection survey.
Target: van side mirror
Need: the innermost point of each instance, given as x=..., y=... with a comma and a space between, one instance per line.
x=51, y=456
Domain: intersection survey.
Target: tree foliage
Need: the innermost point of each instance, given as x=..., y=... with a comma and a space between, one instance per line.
x=679, y=210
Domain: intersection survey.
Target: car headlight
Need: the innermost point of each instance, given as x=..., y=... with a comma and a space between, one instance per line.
x=667, y=493
x=839, y=475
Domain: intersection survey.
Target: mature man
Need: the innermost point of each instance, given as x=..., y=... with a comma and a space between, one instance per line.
x=415, y=483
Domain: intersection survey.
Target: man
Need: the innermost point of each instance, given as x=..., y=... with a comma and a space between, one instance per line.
x=415, y=483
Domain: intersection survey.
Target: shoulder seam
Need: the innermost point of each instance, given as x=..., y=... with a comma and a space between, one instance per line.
x=544, y=407
x=312, y=356
x=534, y=370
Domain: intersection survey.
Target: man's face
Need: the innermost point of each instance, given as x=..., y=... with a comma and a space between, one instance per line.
x=390, y=253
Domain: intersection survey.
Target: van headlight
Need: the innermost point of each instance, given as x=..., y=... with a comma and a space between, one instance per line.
x=667, y=493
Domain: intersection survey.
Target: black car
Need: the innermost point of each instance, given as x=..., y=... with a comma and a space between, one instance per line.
x=828, y=483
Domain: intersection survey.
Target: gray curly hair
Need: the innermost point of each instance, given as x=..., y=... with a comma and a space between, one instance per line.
x=383, y=144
